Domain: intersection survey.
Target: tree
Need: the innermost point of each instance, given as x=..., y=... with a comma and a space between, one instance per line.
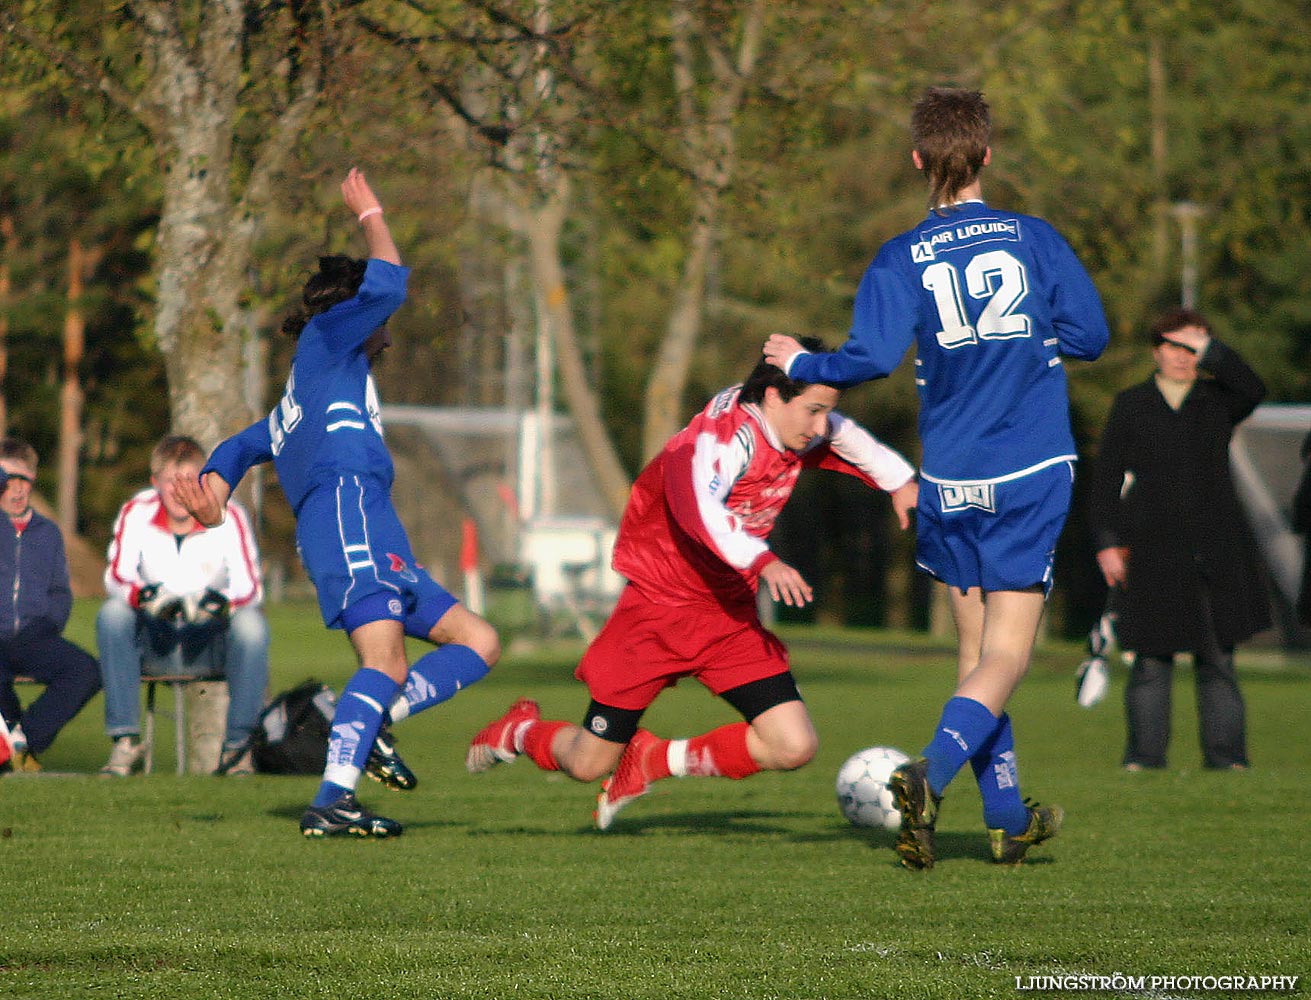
x=494, y=70
x=221, y=91
x=707, y=128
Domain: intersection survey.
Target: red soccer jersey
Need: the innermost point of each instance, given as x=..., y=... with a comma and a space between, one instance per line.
x=696, y=524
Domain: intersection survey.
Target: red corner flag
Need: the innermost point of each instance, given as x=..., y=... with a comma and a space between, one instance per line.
x=473, y=581
x=469, y=546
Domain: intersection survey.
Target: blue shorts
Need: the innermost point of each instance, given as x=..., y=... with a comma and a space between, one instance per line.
x=996, y=534
x=356, y=553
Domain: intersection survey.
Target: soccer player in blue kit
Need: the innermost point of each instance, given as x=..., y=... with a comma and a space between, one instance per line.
x=325, y=440
x=993, y=300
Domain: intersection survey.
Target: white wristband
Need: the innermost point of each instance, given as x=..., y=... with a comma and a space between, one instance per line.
x=375, y=210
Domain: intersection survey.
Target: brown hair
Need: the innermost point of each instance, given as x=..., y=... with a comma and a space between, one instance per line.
x=176, y=449
x=950, y=129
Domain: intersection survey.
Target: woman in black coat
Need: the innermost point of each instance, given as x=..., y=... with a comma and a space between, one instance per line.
x=1171, y=533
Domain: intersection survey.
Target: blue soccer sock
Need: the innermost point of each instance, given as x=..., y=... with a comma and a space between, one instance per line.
x=999, y=782
x=964, y=728
x=354, y=728
x=437, y=676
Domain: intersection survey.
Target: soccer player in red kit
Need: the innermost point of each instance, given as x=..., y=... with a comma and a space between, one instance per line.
x=693, y=547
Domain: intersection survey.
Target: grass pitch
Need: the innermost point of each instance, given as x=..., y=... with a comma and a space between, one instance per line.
x=199, y=887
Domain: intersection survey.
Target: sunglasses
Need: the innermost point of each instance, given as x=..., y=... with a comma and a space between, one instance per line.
x=21, y=477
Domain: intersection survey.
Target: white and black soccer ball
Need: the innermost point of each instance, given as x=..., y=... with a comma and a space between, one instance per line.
x=863, y=793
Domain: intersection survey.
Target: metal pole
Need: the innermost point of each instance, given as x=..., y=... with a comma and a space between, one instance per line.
x=1188, y=213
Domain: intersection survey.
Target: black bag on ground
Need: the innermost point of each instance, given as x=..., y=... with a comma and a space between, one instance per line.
x=291, y=736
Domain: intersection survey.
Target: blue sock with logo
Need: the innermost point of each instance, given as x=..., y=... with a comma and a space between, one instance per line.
x=437, y=676
x=964, y=728
x=354, y=728
x=999, y=782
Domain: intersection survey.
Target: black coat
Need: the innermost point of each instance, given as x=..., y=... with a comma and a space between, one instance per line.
x=1302, y=525
x=1180, y=516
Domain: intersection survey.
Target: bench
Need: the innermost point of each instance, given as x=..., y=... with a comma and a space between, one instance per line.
x=179, y=684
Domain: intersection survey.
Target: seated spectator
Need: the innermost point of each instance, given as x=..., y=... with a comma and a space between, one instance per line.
x=185, y=598
x=34, y=570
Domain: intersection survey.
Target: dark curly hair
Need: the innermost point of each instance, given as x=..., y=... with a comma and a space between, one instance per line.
x=339, y=277
x=764, y=375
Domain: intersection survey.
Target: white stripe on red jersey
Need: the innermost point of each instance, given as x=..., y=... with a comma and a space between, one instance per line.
x=698, y=517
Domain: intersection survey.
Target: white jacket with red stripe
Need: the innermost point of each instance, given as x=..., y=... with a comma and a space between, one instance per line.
x=698, y=517
x=144, y=551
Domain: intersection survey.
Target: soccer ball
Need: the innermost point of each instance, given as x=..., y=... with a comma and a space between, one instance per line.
x=863, y=792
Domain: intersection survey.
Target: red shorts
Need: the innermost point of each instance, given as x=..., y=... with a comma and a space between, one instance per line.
x=646, y=647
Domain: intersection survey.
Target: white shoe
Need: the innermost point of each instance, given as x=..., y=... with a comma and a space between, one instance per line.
x=123, y=759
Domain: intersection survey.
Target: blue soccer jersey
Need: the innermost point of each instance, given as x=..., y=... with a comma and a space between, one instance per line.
x=327, y=424
x=993, y=300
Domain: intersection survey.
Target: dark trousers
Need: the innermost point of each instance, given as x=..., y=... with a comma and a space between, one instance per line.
x=1220, y=712
x=70, y=674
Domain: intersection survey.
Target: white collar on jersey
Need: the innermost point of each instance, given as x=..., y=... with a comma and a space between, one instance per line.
x=758, y=415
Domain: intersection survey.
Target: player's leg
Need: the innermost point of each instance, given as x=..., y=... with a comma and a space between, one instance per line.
x=1010, y=629
x=346, y=538
x=620, y=668
x=746, y=665
x=467, y=649
x=554, y=744
x=380, y=647
x=967, y=611
x=995, y=547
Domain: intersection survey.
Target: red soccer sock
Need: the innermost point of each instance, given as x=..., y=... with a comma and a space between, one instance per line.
x=721, y=752
x=655, y=762
x=537, y=743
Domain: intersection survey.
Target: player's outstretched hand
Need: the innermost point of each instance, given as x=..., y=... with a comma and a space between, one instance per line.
x=780, y=349
x=905, y=498
x=361, y=200
x=205, y=499
x=359, y=196
x=786, y=584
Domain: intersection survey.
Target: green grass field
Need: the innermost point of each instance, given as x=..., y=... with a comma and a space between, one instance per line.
x=199, y=887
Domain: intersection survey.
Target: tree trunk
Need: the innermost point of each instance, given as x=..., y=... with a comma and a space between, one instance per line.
x=541, y=223
x=197, y=58
x=709, y=139
x=71, y=397
x=668, y=381
x=10, y=240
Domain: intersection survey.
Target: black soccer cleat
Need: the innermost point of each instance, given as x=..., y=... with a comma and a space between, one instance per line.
x=1044, y=823
x=385, y=764
x=346, y=817
x=914, y=799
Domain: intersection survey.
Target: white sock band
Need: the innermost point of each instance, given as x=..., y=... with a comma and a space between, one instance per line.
x=677, y=758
